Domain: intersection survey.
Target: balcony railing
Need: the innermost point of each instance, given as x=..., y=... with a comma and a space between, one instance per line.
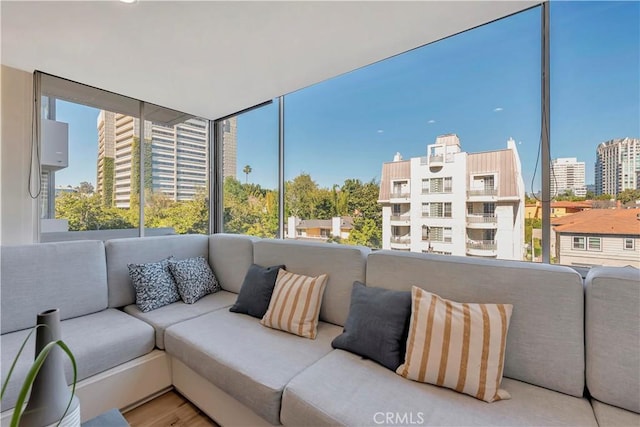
x=482, y=218
x=401, y=239
x=406, y=217
x=400, y=194
x=436, y=158
x=483, y=245
x=483, y=192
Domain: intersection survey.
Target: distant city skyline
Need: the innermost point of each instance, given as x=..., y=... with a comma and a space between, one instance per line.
x=483, y=85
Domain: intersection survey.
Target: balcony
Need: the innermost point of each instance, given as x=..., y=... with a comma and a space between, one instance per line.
x=400, y=195
x=482, y=192
x=482, y=221
x=401, y=220
x=400, y=242
x=436, y=160
x=488, y=248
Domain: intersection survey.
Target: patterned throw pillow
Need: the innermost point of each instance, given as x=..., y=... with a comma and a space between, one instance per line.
x=458, y=346
x=295, y=304
x=153, y=284
x=194, y=278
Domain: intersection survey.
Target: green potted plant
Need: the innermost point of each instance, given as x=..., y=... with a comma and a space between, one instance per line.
x=51, y=401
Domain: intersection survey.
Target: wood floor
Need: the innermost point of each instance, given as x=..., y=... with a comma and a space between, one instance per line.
x=169, y=410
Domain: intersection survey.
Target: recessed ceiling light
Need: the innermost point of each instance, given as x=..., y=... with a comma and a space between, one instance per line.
x=128, y=1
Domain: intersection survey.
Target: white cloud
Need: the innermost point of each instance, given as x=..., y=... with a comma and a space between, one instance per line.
x=497, y=109
x=380, y=131
x=431, y=121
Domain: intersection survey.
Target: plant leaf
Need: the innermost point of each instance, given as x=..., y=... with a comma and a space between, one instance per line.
x=15, y=359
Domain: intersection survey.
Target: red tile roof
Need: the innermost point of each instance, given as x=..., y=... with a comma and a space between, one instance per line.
x=600, y=221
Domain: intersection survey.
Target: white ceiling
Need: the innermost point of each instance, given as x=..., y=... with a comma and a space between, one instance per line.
x=213, y=58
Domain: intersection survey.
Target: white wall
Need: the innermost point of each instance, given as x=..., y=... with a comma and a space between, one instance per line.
x=18, y=212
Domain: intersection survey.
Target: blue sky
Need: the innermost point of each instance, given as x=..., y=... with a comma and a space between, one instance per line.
x=483, y=85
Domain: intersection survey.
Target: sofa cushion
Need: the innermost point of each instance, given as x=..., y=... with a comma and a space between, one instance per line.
x=457, y=345
x=230, y=256
x=243, y=358
x=612, y=316
x=194, y=278
x=99, y=341
x=377, y=325
x=342, y=263
x=612, y=416
x=179, y=311
x=295, y=304
x=548, y=307
x=344, y=389
x=137, y=250
x=154, y=285
x=256, y=291
x=70, y=276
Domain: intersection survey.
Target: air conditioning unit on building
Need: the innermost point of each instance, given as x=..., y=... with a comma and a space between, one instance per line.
x=55, y=145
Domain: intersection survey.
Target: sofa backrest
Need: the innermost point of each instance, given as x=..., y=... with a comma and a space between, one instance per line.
x=545, y=341
x=136, y=250
x=230, y=256
x=70, y=276
x=344, y=264
x=612, y=328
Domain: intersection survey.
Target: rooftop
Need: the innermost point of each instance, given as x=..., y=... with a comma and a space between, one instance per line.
x=600, y=221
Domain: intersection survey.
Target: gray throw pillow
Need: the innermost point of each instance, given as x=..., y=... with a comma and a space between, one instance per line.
x=256, y=290
x=194, y=278
x=377, y=325
x=154, y=285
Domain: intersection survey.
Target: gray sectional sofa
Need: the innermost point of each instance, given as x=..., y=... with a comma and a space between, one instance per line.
x=572, y=355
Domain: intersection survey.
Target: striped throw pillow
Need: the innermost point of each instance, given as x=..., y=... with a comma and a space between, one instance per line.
x=457, y=345
x=295, y=304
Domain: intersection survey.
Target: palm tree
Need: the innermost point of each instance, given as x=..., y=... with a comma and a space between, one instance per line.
x=247, y=170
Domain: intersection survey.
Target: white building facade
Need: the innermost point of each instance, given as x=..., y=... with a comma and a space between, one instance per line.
x=617, y=166
x=454, y=203
x=567, y=174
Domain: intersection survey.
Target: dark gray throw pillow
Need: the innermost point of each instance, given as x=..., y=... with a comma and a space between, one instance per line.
x=194, y=278
x=256, y=290
x=377, y=325
x=154, y=285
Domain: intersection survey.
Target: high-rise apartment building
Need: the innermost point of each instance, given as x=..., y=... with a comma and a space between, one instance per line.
x=567, y=174
x=455, y=203
x=176, y=157
x=230, y=147
x=617, y=166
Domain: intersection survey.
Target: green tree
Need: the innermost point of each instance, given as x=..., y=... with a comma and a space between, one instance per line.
x=248, y=209
x=365, y=232
x=85, y=188
x=86, y=212
x=628, y=195
x=300, y=197
x=247, y=170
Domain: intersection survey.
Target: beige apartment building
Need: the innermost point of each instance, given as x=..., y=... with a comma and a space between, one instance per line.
x=454, y=203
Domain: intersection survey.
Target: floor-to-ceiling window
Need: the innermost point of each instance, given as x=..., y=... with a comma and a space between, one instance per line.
x=250, y=172
x=595, y=132
x=176, y=172
x=435, y=150
x=87, y=160
x=96, y=161
x=454, y=126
